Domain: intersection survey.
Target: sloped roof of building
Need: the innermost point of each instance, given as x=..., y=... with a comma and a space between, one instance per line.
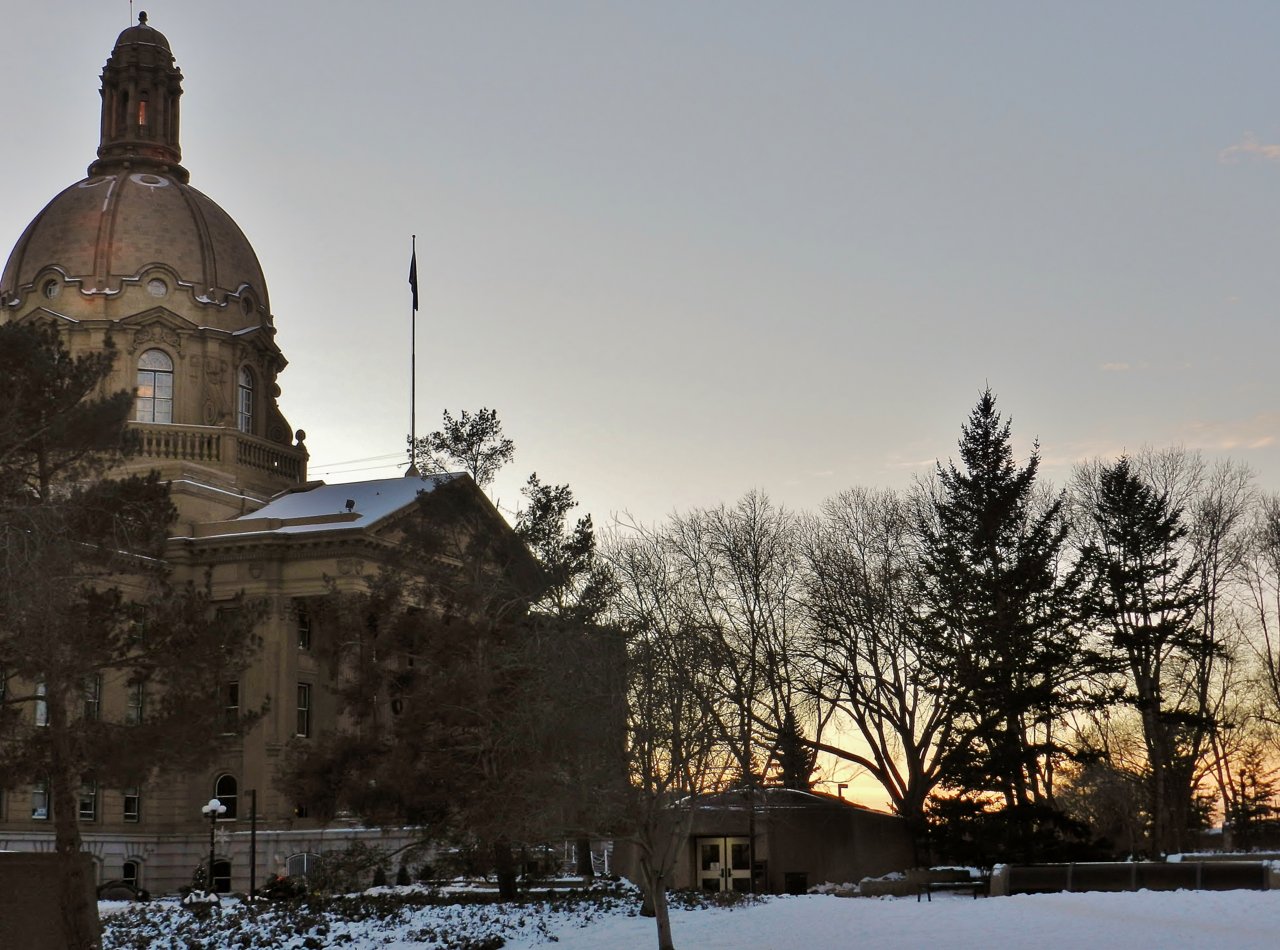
x=317, y=507
x=776, y=797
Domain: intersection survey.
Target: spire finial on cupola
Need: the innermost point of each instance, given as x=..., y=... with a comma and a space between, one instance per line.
x=141, y=87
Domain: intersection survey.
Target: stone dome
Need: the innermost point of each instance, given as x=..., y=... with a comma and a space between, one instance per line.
x=112, y=230
x=142, y=34
x=135, y=223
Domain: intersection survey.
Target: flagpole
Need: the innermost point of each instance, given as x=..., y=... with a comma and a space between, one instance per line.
x=413, y=359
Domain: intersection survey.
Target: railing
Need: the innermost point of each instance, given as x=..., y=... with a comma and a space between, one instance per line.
x=178, y=442
x=268, y=457
x=217, y=445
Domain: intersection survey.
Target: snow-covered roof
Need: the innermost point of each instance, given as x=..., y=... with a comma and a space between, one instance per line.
x=321, y=507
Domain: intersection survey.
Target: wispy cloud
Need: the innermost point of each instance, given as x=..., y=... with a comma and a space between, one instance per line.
x=910, y=464
x=1227, y=435
x=1249, y=147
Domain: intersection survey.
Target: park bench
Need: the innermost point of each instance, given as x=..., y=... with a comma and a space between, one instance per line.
x=936, y=883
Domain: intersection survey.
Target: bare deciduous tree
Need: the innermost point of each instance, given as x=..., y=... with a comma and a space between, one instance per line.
x=864, y=655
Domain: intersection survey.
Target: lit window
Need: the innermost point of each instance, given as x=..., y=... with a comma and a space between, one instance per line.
x=92, y=697
x=244, y=413
x=155, y=388
x=224, y=790
x=88, y=801
x=231, y=708
x=133, y=705
x=304, y=709
x=132, y=803
x=42, y=707
x=142, y=113
x=40, y=800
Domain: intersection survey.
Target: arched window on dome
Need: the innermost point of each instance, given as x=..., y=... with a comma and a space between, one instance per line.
x=155, y=388
x=244, y=401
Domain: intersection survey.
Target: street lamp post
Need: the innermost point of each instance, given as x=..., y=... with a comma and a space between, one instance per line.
x=213, y=810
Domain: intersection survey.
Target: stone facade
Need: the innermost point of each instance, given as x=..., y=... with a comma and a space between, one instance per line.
x=134, y=258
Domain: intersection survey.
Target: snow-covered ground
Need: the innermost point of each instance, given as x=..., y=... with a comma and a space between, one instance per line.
x=1239, y=920
x=1166, y=920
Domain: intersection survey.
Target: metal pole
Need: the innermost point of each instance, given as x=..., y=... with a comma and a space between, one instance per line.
x=413, y=364
x=213, y=819
x=253, y=842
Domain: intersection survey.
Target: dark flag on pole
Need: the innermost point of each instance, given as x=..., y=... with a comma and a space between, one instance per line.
x=413, y=278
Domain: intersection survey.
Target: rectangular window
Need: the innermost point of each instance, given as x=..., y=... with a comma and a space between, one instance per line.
x=40, y=800
x=88, y=801
x=92, y=692
x=304, y=627
x=132, y=803
x=231, y=707
x=133, y=705
x=42, y=707
x=304, y=709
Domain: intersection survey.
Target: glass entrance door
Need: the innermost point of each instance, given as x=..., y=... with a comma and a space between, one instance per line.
x=724, y=864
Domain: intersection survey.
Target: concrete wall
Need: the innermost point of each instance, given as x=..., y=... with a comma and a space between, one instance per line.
x=1218, y=875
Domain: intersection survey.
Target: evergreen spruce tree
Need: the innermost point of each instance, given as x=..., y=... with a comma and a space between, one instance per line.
x=1148, y=602
x=998, y=619
x=506, y=698
x=87, y=604
x=796, y=759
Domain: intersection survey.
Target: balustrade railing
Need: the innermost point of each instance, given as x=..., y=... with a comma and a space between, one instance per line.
x=216, y=445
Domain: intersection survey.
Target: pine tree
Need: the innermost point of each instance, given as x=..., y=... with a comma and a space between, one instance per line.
x=998, y=614
x=1148, y=603
x=86, y=601
x=796, y=759
x=505, y=711
x=472, y=443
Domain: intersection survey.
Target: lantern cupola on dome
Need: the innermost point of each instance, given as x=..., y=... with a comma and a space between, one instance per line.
x=134, y=258
x=141, y=88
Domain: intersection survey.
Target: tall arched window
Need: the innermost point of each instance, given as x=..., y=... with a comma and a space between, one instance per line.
x=244, y=402
x=155, y=388
x=224, y=790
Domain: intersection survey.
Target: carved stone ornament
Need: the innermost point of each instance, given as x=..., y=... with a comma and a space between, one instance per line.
x=156, y=333
x=350, y=565
x=255, y=569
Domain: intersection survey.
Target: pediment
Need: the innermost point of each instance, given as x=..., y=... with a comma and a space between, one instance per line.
x=47, y=316
x=161, y=316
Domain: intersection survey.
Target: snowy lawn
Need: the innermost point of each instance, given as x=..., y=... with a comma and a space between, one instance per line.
x=1167, y=920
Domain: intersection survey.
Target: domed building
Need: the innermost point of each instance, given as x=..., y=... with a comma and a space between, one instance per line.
x=133, y=252
x=135, y=258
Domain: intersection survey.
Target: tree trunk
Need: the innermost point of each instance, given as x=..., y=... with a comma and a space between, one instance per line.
x=80, y=924
x=656, y=892
x=504, y=864
x=583, y=853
